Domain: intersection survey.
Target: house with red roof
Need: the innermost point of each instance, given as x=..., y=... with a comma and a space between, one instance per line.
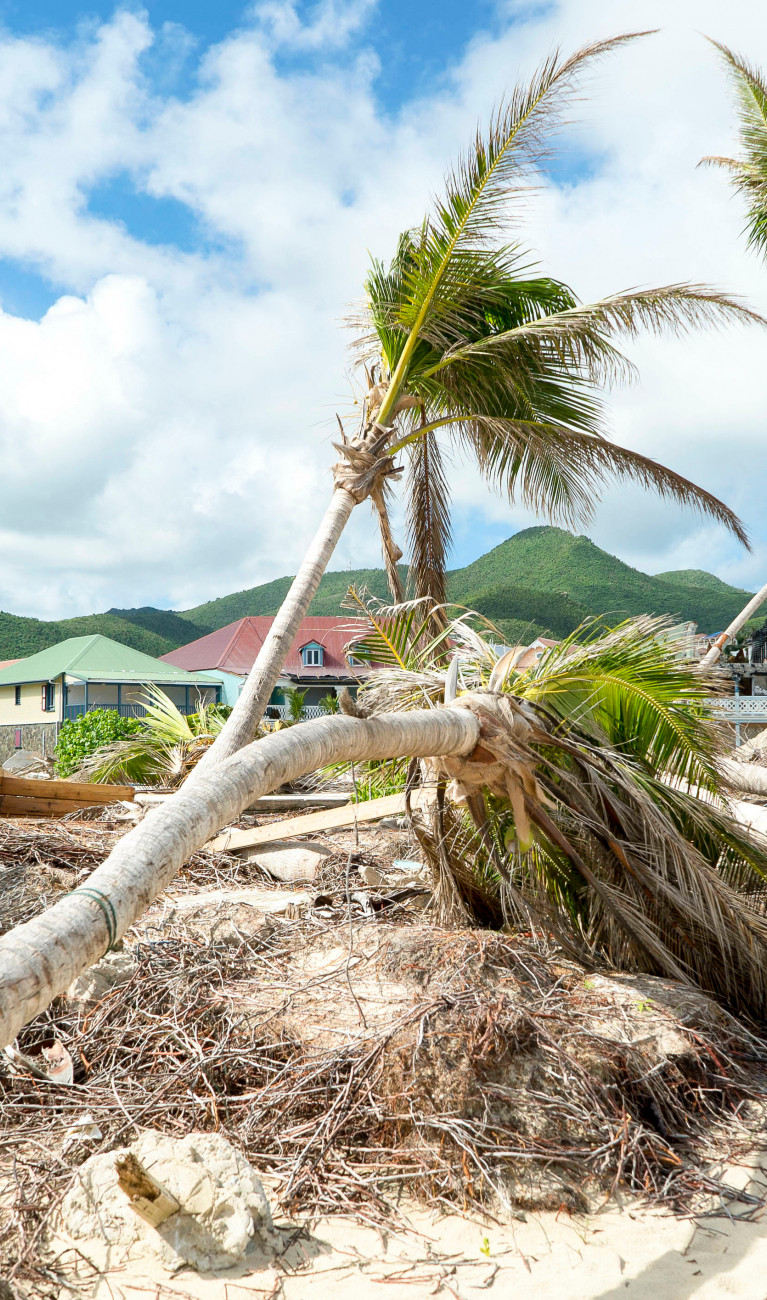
x=318, y=661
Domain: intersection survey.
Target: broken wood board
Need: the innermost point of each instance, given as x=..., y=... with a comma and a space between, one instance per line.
x=370, y=810
x=22, y=796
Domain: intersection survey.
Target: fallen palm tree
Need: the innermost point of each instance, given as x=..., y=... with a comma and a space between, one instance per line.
x=551, y=805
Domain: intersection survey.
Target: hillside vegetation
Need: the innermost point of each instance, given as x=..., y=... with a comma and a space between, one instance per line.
x=541, y=582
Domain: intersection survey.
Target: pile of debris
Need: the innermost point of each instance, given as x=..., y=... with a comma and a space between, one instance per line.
x=352, y=1054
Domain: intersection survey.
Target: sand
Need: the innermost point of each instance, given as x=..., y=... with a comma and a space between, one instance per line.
x=621, y=1251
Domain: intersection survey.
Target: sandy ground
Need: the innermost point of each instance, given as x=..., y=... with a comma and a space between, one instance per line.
x=617, y=1252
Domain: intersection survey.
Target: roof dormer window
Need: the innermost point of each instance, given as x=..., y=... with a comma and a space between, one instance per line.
x=312, y=655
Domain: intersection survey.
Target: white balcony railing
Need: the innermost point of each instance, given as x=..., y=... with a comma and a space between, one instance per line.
x=741, y=708
x=281, y=711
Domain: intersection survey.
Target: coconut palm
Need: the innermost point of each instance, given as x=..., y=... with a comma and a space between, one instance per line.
x=749, y=172
x=462, y=341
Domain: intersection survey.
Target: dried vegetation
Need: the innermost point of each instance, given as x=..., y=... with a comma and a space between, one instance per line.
x=356, y=1056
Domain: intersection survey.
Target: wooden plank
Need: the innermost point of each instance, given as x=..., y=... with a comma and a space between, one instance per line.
x=370, y=810
x=84, y=792
x=18, y=806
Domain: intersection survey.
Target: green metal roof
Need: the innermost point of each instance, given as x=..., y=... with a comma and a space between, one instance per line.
x=98, y=659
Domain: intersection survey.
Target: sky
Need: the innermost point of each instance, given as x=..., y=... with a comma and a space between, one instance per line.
x=189, y=197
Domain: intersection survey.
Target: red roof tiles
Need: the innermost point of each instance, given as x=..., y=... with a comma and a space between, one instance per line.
x=233, y=648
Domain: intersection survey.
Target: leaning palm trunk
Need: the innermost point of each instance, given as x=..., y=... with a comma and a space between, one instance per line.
x=40, y=959
x=734, y=627
x=363, y=471
x=243, y=721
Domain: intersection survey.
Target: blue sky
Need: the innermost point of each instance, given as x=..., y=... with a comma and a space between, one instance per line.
x=188, y=198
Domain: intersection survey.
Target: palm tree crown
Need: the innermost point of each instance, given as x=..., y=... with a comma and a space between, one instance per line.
x=463, y=341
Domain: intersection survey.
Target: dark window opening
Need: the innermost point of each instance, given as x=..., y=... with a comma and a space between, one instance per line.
x=18, y=695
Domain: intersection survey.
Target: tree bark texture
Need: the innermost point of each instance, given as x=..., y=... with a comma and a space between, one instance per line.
x=750, y=778
x=241, y=725
x=40, y=959
x=734, y=627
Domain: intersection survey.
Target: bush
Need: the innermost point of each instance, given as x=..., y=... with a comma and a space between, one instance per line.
x=79, y=737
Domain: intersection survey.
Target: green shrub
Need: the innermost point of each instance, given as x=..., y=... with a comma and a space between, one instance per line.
x=82, y=736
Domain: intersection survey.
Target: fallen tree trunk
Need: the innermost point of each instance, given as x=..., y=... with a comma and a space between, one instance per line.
x=40, y=959
x=750, y=778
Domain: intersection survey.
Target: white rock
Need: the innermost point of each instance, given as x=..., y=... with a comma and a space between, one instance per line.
x=113, y=970
x=291, y=863
x=224, y=1211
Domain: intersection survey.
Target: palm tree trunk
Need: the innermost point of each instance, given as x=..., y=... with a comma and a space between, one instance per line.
x=40, y=959
x=750, y=778
x=243, y=721
x=737, y=623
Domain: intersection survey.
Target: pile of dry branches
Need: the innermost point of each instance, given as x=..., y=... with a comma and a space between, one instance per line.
x=457, y=1067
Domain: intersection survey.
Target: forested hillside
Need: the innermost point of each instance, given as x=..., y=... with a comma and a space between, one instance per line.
x=541, y=581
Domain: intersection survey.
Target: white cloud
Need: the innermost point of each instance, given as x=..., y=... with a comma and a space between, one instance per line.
x=165, y=428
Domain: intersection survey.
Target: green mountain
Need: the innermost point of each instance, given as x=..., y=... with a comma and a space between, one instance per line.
x=20, y=637
x=267, y=598
x=542, y=581
x=555, y=561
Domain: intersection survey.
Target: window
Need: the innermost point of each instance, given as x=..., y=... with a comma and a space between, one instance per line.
x=49, y=697
x=18, y=695
x=312, y=655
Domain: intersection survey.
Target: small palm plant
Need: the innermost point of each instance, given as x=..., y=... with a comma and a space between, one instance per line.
x=295, y=701
x=599, y=812
x=329, y=703
x=166, y=748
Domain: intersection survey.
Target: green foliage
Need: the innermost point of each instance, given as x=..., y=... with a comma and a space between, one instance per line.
x=377, y=779
x=295, y=702
x=540, y=582
x=20, y=637
x=166, y=746
x=329, y=703
x=83, y=736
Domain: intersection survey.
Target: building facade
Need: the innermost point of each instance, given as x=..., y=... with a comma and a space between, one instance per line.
x=39, y=693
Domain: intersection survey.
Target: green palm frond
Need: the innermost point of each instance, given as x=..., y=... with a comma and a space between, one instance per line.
x=615, y=829
x=477, y=193
x=467, y=344
x=749, y=173
x=635, y=687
